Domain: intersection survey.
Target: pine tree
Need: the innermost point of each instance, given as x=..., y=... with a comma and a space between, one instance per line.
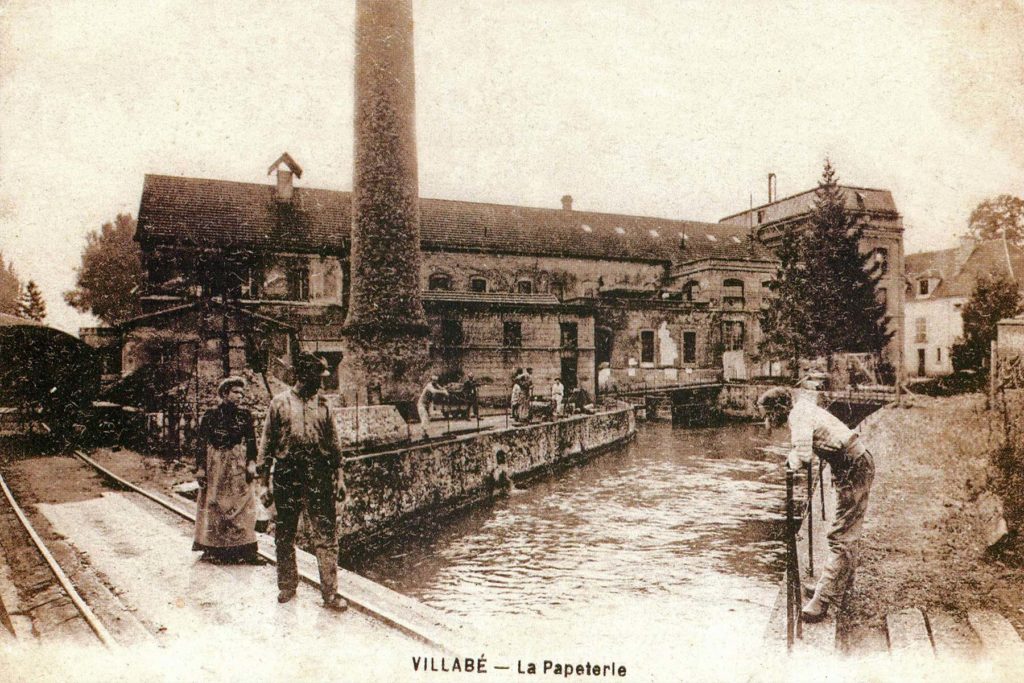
x=32, y=304
x=785, y=321
x=10, y=287
x=846, y=314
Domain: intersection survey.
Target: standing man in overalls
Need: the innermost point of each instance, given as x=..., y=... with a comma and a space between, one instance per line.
x=300, y=443
x=815, y=431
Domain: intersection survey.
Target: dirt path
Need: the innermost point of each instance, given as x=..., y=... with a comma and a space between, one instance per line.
x=922, y=544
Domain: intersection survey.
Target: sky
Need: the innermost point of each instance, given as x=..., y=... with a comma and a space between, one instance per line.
x=669, y=109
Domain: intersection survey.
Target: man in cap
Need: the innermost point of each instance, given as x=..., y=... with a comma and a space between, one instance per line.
x=815, y=431
x=300, y=444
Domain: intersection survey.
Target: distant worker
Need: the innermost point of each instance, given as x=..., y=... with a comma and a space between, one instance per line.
x=471, y=392
x=225, y=471
x=557, y=396
x=302, y=461
x=515, y=402
x=431, y=391
x=815, y=431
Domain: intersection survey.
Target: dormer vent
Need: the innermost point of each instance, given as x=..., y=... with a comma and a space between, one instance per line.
x=286, y=167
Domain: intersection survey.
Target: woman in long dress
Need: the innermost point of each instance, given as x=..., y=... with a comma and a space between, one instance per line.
x=226, y=472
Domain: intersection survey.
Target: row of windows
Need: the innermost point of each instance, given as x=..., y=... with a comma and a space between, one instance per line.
x=733, y=338
x=511, y=334
x=443, y=282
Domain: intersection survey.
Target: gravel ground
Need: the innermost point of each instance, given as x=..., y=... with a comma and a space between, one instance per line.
x=923, y=544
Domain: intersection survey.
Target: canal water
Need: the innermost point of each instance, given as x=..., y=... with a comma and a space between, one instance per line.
x=667, y=549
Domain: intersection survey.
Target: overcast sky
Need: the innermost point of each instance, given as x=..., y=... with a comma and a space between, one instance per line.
x=668, y=109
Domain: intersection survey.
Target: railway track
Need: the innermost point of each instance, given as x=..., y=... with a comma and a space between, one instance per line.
x=118, y=621
x=81, y=606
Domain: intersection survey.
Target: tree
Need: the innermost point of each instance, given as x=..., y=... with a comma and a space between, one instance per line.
x=32, y=304
x=785, y=321
x=997, y=217
x=994, y=297
x=110, y=278
x=845, y=312
x=825, y=289
x=10, y=288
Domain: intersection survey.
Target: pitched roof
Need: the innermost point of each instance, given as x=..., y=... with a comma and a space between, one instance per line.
x=991, y=257
x=226, y=214
x=868, y=199
x=940, y=263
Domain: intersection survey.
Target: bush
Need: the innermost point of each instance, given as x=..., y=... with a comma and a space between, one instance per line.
x=963, y=382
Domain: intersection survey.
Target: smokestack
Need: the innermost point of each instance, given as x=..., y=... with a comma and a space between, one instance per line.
x=386, y=327
x=567, y=202
x=771, y=188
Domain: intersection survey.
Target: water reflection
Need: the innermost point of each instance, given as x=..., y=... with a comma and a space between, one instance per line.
x=680, y=530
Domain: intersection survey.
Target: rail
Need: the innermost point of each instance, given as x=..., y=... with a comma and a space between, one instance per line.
x=83, y=608
x=794, y=627
x=382, y=613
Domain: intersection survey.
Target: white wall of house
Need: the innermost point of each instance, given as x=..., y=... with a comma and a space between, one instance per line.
x=932, y=327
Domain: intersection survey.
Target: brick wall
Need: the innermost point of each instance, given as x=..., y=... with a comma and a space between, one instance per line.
x=503, y=271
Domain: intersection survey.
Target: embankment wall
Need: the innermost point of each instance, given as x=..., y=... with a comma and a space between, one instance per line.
x=394, y=489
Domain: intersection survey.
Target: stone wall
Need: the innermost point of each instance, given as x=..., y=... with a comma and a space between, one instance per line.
x=575, y=277
x=482, y=350
x=392, y=489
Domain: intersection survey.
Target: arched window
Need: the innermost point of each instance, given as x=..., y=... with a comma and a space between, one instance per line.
x=524, y=287
x=691, y=291
x=477, y=284
x=732, y=294
x=439, y=281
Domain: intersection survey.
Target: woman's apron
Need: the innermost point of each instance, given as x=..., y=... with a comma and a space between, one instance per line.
x=226, y=514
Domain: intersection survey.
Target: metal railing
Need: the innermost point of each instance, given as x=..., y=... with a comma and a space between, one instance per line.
x=794, y=593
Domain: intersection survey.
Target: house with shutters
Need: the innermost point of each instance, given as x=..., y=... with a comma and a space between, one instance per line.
x=938, y=284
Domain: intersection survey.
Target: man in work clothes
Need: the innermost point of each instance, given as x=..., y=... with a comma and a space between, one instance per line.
x=431, y=392
x=300, y=443
x=815, y=431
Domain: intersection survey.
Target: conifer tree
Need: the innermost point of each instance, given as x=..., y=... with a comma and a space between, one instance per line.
x=824, y=294
x=10, y=287
x=32, y=304
x=845, y=313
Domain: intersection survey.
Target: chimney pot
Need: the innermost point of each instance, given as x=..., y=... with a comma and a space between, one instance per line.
x=567, y=202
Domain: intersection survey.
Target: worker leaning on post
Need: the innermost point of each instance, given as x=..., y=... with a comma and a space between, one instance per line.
x=302, y=466
x=815, y=431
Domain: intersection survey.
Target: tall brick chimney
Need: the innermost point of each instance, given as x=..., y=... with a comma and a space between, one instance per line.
x=386, y=331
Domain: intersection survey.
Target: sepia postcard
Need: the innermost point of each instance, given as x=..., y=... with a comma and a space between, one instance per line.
x=511, y=340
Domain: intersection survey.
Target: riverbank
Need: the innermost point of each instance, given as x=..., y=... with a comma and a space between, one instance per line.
x=923, y=543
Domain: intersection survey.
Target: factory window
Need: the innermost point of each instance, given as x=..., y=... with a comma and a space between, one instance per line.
x=570, y=334
x=691, y=290
x=512, y=334
x=298, y=282
x=922, y=287
x=689, y=347
x=732, y=294
x=477, y=284
x=439, y=282
x=880, y=260
x=451, y=333
x=920, y=330
x=760, y=216
x=647, y=346
x=524, y=287
x=732, y=335
x=938, y=354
